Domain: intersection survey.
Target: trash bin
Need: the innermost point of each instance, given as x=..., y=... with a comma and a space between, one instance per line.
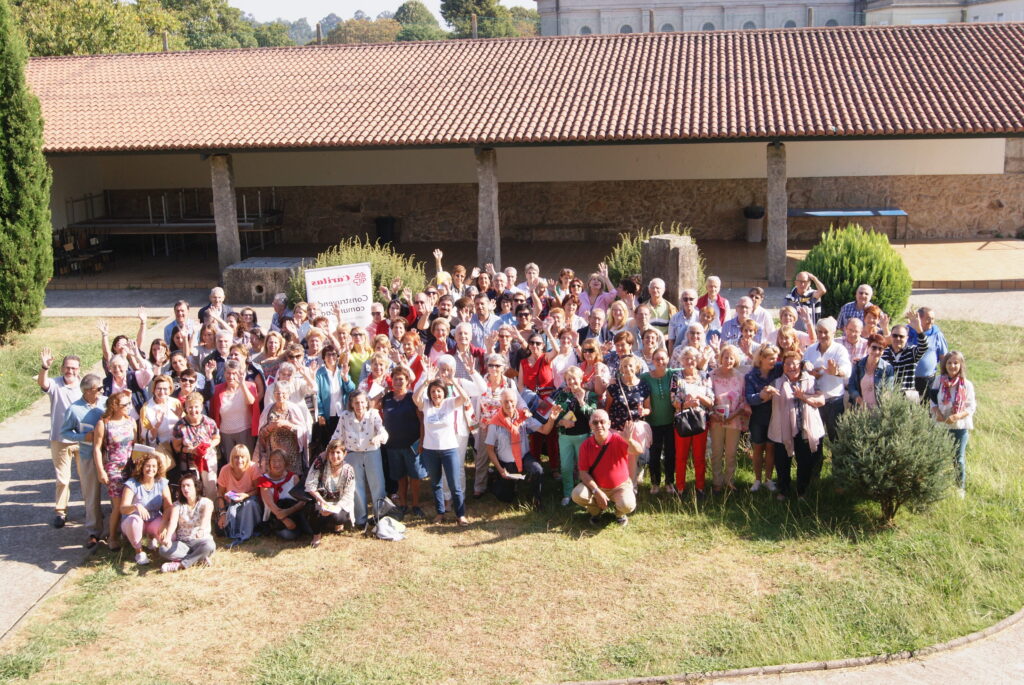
x=755, y=223
x=387, y=229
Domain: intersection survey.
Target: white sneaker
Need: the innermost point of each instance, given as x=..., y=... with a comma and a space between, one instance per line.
x=670, y=490
x=170, y=567
x=770, y=484
x=961, y=493
x=756, y=486
x=141, y=559
x=566, y=501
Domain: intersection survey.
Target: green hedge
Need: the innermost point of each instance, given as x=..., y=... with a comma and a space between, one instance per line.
x=385, y=265
x=846, y=257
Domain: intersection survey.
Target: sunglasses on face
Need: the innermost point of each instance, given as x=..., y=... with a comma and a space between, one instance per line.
x=897, y=335
x=536, y=342
x=689, y=299
x=494, y=366
x=188, y=381
x=589, y=351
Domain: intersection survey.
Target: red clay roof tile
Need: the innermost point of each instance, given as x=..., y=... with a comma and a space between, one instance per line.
x=957, y=79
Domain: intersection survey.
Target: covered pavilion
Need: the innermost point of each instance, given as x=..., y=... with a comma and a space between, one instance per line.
x=596, y=134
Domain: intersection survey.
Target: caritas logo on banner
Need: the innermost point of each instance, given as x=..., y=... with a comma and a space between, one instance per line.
x=349, y=286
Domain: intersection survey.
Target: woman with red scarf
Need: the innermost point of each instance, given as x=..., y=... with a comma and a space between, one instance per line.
x=953, y=404
x=507, y=448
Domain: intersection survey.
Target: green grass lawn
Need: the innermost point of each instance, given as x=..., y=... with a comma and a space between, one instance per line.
x=528, y=597
x=19, y=360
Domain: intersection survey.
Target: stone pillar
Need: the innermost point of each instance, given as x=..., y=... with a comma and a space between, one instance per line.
x=674, y=259
x=225, y=211
x=778, y=220
x=488, y=246
x=1014, y=160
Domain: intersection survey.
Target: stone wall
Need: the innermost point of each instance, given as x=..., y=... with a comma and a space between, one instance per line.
x=963, y=206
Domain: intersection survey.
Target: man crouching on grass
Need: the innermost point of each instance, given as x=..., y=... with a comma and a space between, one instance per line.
x=605, y=461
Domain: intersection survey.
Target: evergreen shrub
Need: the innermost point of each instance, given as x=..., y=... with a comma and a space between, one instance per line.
x=846, y=257
x=385, y=265
x=894, y=454
x=624, y=259
x=26, y=236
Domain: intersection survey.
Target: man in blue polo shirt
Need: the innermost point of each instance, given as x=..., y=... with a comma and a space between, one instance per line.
x=924, y=372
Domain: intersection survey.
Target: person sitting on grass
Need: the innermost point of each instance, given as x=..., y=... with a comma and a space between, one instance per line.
x=281, y=511
x=187, y=539
x=332, y=484
x=239, y=509
x=508, y=448
x=145, y=505
x=605, y=462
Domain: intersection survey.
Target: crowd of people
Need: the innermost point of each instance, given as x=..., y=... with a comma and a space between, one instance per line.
x=305, y=424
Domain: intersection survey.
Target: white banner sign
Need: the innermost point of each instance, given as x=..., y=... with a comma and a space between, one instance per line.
x=349, y=287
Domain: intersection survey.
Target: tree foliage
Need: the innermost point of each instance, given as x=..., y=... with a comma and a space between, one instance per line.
x=26, y=252
x=415, y=32
x=525, y=21
x=89, y=27
x=895, y=454
x=493, y=19
x=328, y=23
x=415, y=13
x=212, y=24
x=273, y=34
x=846, y=257
x=365, y=31
x=300, y=31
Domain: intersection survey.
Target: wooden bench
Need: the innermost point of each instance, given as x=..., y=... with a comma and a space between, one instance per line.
x=895, y=212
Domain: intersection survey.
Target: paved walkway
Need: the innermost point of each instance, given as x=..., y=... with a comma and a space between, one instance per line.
x=34, y=556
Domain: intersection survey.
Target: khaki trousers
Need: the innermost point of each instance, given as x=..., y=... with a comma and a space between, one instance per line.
x=621, y=496
x=90, y=494
x=62, y=454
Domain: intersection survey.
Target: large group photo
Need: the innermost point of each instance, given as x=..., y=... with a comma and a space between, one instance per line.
x=502, y=341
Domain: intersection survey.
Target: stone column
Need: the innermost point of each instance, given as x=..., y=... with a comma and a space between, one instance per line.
x=778, y=220
x=674, y=259
x=225, y=211
x=488, y=246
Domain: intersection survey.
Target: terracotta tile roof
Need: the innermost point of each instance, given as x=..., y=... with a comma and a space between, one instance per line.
x=956, y=79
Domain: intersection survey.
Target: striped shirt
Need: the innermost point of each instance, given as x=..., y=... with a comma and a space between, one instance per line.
x=905, y=361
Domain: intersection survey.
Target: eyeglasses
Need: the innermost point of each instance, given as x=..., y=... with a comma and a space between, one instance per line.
x=689, y=299
x=523, y=315
x=494, y=366
x=589, y=350
x=898, y=335
x=536, y=342
x=431, y=292
x=357, y=335
x=377, y=313
x=188, y=381
x=519, y=300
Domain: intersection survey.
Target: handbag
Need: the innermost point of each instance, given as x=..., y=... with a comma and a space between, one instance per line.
x=690, y=422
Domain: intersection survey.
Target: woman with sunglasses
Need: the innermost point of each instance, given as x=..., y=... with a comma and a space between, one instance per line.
x=577, y=405
x=537, y=375
x=870, y=374
x=359, y=351
x=596, y=374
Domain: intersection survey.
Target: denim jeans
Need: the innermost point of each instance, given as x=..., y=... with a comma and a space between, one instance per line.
x=369, y=471
x=960, y=436
x=447, y=462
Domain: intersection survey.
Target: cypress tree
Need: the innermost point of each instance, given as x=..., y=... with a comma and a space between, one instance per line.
x=26, y=252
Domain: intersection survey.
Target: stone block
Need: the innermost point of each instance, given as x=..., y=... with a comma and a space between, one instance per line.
x=672, y=258
x=258, y=279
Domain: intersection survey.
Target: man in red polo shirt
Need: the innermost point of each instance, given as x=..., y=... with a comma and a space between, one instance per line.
x=609, y=482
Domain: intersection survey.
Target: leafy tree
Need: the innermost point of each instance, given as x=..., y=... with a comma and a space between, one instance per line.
x=300, y=31
x=328, y=23
x=525, y=21
x=26, y=251
x=415, y=32
x=360, y=15
x=846, y=257
x=493, y=19
x=386, y=14
x=415, y=13
x=89, y=27
x=895, y=454
x=212, y=24
x=273, y=34
x=365, y=31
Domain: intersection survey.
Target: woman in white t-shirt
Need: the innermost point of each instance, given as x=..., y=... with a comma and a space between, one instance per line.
x=441, y=441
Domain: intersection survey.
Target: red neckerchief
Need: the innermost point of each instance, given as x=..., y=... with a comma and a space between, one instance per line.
x=513, y=425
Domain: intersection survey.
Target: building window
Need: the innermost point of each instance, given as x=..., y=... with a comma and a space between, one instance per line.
x=625, y=28
x=999, y=16
x=790, y=24
x=976, y=18
x=667, y=28
x=831, y=22
x=708, y=26
x=585, y=30
x=749, y=25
